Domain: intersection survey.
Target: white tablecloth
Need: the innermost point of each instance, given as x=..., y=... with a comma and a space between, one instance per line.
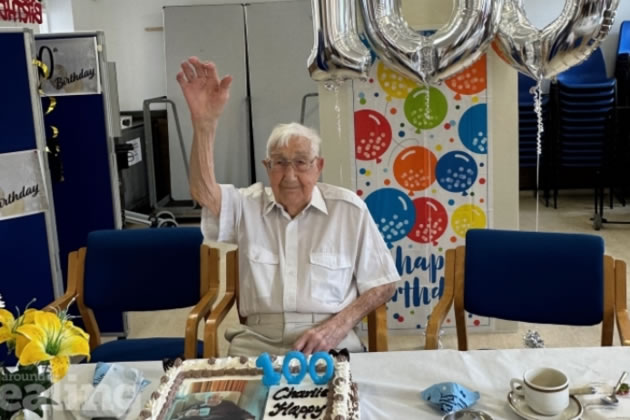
x=390, y=383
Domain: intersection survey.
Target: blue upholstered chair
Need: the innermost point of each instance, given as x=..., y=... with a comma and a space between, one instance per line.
x=547, y=278
x=141, y=270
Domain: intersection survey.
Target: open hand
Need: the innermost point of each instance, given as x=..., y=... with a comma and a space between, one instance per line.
x=205, y=93
x=323, y=337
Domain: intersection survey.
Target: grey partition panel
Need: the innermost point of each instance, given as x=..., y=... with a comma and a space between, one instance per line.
x=29, y=253
x=280, y=38
x=87, y=198
x=214, y=33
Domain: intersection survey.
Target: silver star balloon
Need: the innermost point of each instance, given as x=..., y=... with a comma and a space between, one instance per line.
x=533, y=340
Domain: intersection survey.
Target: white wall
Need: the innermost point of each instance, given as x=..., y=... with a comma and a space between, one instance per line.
x=138, y=53
x=60, y=17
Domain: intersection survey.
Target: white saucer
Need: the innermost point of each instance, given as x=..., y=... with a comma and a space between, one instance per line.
x=517, y=403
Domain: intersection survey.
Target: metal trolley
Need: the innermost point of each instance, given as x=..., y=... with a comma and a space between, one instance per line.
x=164, y=211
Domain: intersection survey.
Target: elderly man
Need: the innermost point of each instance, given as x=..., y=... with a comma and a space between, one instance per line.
x=312, y=262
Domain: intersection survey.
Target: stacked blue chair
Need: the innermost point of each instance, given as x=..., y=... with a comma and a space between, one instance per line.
x=622, y=74
x=584, y=103
x=622, y=67
x=528, y=131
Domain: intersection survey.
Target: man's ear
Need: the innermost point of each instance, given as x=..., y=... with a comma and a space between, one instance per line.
x=320, y=164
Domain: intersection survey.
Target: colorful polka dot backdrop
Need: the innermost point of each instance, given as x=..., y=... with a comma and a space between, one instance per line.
x=372, y=133
x=424, y=112
x=393, y=83
x=421, y=156
x=414, y=168
x=470, y=81
x=456, y=171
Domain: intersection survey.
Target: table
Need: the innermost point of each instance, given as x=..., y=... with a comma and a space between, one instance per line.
x=390, y=383
x=395, y=385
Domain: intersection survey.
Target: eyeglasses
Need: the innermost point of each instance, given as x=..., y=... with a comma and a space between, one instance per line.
x=280, y=165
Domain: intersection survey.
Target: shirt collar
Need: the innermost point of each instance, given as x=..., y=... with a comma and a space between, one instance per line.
x=317, y=201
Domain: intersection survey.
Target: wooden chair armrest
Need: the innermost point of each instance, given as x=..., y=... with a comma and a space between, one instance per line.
x=199, y=312
x=60, y=303
x=218, y=314
x=621, y=304
x=623, y=326
x=377, y=329
x=438, y=315
x=75, y=270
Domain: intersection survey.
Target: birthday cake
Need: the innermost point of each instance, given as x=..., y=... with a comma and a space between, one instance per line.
x=240, y=388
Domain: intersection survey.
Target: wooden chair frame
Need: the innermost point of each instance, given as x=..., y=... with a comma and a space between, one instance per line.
x=377, y=319
x=75, y=291
x=621, y=303
x=454, y=294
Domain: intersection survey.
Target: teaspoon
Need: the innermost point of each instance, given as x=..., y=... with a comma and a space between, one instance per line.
x=612, y=398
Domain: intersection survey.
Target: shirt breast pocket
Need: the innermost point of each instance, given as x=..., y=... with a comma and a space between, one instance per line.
x=263, y=265
x=330, y=277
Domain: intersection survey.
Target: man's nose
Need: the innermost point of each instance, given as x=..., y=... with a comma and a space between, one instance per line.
x=290, y=172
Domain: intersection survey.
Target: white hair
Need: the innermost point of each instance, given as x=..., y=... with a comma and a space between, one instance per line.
x=283, y=133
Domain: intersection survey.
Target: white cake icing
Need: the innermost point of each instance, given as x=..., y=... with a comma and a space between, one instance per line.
x=296, y=401
x=336, y=400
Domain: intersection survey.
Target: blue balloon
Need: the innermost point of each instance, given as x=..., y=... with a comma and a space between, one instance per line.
x=456, y=171
x=393, y=211
x=473, y=129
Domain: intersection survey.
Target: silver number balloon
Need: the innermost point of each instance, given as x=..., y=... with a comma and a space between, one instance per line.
x=431, y=59
x=564, y=43
x=337, y=54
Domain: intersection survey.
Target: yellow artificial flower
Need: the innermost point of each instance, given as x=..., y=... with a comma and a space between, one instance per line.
x=7, y=320
x=53, y=340
x=9, y=326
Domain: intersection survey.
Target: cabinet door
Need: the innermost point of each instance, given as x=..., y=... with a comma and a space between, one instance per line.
x=215, y=33
x=279, y=39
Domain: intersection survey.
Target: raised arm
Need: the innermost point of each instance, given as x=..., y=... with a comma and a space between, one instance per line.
x=206, y=95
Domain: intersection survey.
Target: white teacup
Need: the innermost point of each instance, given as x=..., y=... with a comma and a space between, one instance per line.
x=545, y=390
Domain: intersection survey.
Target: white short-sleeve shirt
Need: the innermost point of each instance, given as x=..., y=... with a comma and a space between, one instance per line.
x=317, y=262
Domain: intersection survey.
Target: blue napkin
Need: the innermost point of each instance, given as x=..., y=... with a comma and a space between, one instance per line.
x=101, y=370
x=449, y=396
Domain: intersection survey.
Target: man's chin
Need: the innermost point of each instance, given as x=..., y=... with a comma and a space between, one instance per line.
x=291, y=200
x=290, y=192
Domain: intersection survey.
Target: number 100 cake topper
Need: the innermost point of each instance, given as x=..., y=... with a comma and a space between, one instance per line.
x=271, y=377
